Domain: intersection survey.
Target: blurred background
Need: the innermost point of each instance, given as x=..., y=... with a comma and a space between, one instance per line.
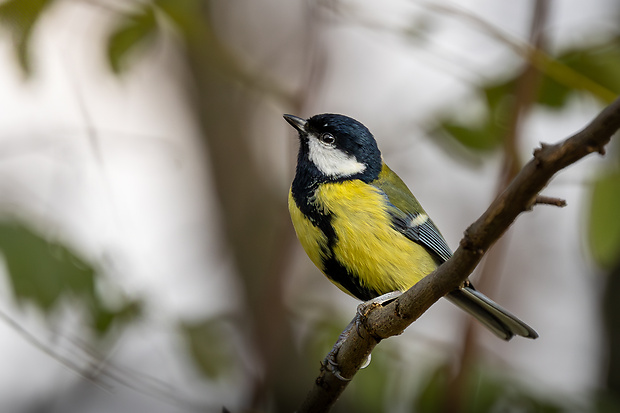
x=148, y=260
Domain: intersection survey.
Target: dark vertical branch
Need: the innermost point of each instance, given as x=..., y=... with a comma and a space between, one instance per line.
x=254, y=219
x=271, y=319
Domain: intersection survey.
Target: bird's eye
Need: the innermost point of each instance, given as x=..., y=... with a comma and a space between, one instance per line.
x=327, y=138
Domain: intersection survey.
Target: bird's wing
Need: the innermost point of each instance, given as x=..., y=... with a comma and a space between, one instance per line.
x=408, y=216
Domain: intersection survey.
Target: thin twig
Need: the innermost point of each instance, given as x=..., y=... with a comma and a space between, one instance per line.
x=69, y=363
x=548, y=200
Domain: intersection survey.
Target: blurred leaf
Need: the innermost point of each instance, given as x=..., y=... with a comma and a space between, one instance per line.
x=570, y=72
x=191, y=20
x=188, y=16
x=209, y=347
x=485, y=390
x=367, y=391
x=490, y=391
x=19, y=18
x=604, y=225
x=105, y=318
x=600, y=63
x=324, y=332
x=44, y=272
x=488, y=133
x=480, y=138
x=133, y=31
x=432, y=397
x=552, y=94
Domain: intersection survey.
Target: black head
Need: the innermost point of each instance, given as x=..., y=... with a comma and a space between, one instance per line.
x=335, y=148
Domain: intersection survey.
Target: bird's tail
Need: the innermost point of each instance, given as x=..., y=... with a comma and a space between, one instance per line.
x=495, y=318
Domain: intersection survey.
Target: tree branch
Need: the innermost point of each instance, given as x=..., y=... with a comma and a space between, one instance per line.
x=548, y=200
x=519, y=196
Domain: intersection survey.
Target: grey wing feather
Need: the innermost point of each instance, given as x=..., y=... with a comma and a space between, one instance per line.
x=424, y=233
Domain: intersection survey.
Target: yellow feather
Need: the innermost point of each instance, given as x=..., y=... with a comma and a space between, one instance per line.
x=367, y=245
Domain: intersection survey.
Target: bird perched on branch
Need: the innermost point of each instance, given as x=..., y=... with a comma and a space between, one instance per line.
x=363, y=228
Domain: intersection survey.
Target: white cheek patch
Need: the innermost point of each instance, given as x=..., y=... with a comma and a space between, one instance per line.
x=331, y=161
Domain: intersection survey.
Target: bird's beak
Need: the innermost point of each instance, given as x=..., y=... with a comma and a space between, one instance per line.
x=297, y=123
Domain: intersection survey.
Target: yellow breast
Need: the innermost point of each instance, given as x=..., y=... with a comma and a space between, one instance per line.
x=366, y=244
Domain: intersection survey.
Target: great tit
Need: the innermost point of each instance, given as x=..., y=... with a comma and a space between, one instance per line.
x=363, y=228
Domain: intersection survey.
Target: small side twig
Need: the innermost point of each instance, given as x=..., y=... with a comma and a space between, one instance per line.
x=548, y=200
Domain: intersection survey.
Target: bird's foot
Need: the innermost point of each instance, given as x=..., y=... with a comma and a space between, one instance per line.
x=330, y=363
x=366, y=307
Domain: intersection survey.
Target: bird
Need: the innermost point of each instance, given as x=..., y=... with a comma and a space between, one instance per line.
x=363, y=228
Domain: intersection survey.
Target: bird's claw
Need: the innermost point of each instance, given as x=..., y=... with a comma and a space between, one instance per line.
x=330, y=363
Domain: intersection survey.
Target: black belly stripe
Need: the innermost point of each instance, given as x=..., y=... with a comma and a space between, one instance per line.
x=332, y=268
x=336, y=272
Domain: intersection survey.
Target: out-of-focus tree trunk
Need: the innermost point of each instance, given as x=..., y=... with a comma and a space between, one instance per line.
x=254, y=216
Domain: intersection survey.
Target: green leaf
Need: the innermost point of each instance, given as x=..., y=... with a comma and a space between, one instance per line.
x=104, y=318
x=604, y=225
x=209, y=347
x=368, y=389
x=42, y=271
x=432, y=397
x=552, y=94
x=484, y=390
x=190, y=17
x=482, y=138
x=601, y=63
x=488, y=133
x=133, y=31
x=19, y=17
x=45, y=273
